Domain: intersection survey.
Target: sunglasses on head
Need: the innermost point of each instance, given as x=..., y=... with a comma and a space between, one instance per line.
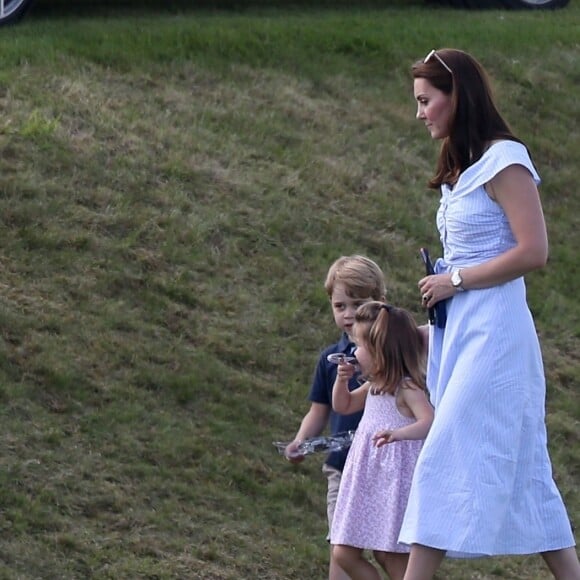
x=432, y=54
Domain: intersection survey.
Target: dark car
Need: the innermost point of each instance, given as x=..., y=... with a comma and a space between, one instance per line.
x=13, y=10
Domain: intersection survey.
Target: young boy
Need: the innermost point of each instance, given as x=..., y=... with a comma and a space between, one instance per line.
x=350, y=282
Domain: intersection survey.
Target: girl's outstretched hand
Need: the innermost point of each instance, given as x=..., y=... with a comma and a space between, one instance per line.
x=383, y=437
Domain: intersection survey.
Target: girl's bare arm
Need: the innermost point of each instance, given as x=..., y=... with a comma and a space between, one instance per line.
x=344, y=401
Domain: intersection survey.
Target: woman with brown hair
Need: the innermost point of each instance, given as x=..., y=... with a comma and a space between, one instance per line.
x=483, y=483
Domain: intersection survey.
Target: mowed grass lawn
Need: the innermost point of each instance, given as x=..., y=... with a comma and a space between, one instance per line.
x=174, y=184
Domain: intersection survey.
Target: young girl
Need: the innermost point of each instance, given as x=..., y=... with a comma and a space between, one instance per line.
x=397, y=416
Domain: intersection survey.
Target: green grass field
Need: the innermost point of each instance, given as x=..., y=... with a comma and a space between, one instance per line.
x=173, y=187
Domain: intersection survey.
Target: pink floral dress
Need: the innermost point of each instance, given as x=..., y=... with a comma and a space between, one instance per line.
x=375, y=482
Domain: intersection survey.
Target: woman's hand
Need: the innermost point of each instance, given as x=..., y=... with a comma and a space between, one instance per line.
x=435, y=288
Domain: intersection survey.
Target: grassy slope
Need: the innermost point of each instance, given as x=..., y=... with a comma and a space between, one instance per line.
x=172, y=190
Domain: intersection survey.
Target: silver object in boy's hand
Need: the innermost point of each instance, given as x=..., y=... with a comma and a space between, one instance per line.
x=322, y=443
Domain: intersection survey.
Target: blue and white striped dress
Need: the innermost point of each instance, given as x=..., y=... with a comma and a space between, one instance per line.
x=483, y=483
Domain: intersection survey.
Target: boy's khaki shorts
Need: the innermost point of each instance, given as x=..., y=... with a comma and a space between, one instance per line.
x=333, y=476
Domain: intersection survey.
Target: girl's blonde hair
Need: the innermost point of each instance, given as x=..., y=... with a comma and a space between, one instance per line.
x=395, y=344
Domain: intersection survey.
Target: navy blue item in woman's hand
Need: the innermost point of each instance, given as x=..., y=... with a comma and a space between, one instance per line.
x=437, y=314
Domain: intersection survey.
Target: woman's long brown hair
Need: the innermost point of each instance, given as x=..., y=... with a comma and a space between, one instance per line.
x=475, y=119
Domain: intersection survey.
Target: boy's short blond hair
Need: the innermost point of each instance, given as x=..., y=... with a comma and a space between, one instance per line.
x=361, y=277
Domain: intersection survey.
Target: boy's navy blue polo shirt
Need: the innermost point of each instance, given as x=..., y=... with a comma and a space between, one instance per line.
x=321, y=392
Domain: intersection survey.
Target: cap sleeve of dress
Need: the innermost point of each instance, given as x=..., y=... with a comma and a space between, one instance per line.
x=500, y=155
x=506, y=153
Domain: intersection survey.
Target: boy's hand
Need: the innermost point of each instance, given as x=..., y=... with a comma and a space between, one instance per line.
x=292, y=453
